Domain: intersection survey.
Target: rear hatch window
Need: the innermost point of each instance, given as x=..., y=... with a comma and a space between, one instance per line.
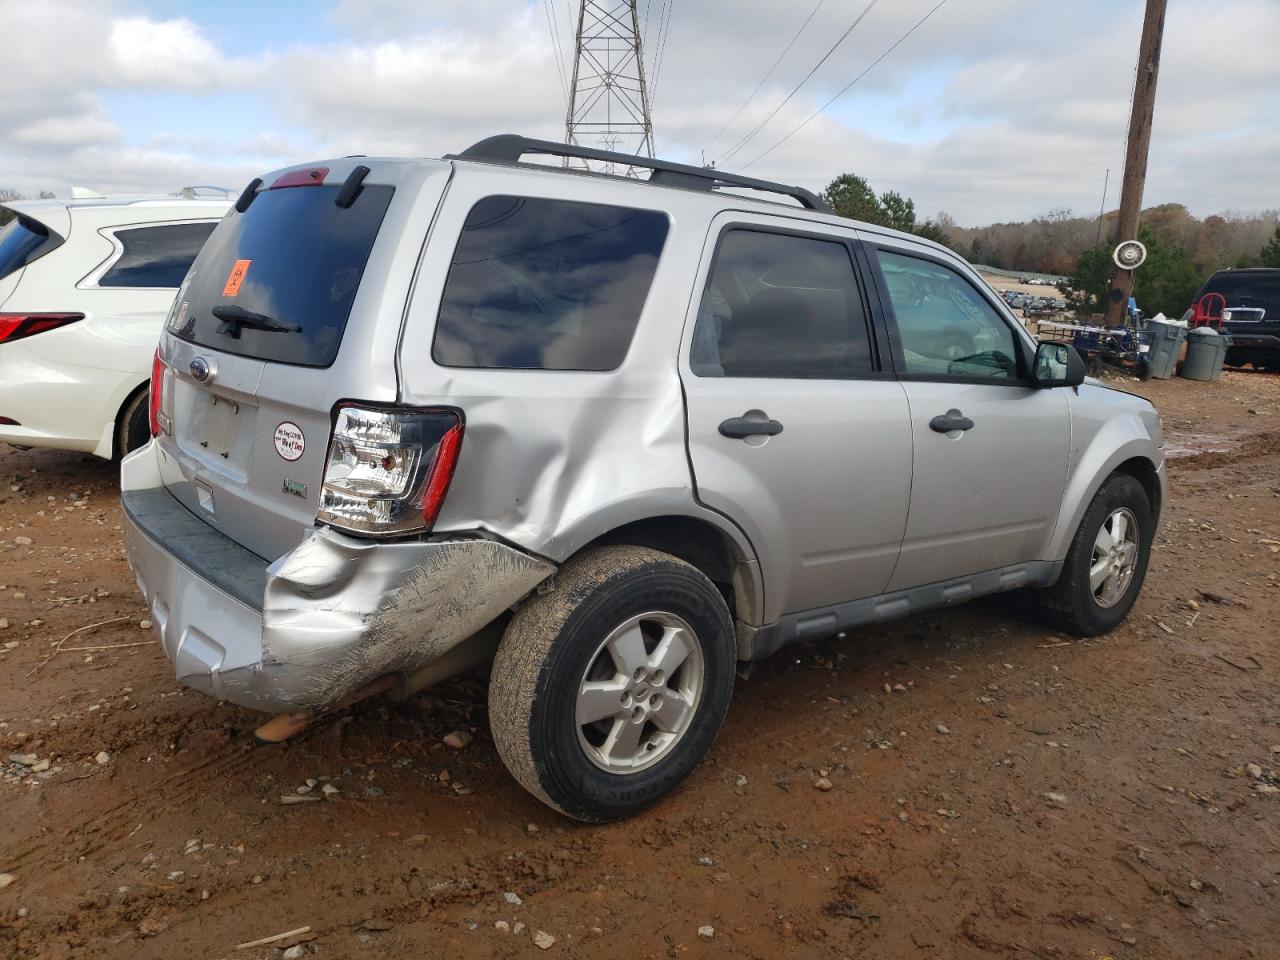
x=21, y=241
x=276, y=282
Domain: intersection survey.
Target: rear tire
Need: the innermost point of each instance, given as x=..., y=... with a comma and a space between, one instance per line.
x=1104, y=569
x=133, y=428
x=595, y=646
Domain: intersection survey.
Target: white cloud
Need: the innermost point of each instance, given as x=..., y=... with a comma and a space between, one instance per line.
x=67, y=131
x=432, y=94
x=986, y=112
x=169, y=53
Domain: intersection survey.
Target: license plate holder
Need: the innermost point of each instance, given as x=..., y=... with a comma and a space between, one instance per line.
x=221, y=424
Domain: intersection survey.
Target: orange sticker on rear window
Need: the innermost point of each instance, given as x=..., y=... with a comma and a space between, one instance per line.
x=236, y=278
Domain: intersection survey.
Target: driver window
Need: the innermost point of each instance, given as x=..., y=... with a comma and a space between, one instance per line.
x=945, y=327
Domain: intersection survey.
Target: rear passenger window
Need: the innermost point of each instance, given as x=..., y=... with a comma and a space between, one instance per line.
x=156, y=256
x=547, y=285
x=781, y=306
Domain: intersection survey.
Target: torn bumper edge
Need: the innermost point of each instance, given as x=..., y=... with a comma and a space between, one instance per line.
x=336, y=613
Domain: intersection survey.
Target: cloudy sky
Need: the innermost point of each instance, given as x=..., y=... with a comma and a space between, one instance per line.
x=991, y=110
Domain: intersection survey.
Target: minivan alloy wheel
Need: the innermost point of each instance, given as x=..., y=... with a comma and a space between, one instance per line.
x=639, y=692
x=1115, y=556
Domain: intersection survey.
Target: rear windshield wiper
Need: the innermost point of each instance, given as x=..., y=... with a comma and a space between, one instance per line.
x=234, y=318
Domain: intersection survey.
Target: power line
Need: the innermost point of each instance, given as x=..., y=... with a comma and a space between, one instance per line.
x=556, y=48
x=663, y=37
x=845, y=89
x=767, y=75
x=774, y=112
x=652, y=49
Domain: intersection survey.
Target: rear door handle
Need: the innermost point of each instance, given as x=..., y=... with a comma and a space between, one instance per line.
x=951, y=420
x=739, y=428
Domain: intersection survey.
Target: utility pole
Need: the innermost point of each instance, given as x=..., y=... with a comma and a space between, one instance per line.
x=608, y=96
x=1102, y=210
x=1135, y=156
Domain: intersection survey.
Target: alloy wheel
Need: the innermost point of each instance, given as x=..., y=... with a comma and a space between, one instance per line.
x=639, y=693
x=1115, y=557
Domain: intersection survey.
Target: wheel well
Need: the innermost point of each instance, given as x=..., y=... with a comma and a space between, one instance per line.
x=133, y=394
x=1144, y=471
x=696, y=542
x=139, y=391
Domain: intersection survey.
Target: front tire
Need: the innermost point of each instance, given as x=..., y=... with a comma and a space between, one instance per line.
x=1106, y=563
x=608, y=689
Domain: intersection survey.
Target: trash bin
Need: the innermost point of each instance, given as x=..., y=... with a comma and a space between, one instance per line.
x=1165, y=340
x=1206, y=349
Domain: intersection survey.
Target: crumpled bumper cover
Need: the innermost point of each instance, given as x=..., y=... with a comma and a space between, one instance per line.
x=320, y=622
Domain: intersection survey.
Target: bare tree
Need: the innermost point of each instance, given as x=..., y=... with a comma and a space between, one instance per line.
x=7, y=196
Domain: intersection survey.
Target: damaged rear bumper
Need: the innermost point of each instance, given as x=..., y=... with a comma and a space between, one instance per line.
x=311, y=628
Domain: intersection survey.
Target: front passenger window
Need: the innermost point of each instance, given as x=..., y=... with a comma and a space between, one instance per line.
x=945, y=327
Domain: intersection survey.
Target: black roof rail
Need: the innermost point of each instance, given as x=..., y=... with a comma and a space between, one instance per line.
x=510, y=147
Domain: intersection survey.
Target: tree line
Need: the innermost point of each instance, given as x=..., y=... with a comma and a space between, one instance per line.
x=1178, y=261
x=1182, y=249
x=7, y=196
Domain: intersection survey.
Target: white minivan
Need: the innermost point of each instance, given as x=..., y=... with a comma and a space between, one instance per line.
x=85, y=285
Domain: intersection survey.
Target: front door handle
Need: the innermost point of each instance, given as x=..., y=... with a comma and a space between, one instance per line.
x=949, y=421
x=739, y=428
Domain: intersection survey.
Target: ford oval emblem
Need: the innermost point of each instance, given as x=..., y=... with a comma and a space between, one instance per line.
x=200, y=369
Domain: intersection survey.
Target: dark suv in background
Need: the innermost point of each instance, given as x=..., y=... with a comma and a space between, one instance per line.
x=1250, y=310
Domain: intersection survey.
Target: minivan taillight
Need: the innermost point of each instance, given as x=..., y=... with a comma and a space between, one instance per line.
x=16, y=326
x=389, y=468
x=156, y=400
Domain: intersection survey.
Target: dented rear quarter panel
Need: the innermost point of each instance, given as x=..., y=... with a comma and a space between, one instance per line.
x=551, y=460
x=338, y=610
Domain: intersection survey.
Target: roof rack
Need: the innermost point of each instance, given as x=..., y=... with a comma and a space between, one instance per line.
x=510, y=147
x=194, y=193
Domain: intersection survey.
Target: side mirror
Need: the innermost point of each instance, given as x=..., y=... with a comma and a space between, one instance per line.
x=1058, y=365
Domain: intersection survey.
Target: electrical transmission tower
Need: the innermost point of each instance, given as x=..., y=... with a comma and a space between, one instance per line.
x=608, y=96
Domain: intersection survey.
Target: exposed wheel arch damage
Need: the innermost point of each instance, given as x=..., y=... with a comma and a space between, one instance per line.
x=713, y=551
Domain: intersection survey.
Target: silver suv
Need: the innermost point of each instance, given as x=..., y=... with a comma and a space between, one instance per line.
x=612, y=434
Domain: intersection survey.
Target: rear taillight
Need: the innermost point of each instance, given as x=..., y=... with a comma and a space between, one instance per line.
x=155, y=402
x=389, y=468
x=16, y=326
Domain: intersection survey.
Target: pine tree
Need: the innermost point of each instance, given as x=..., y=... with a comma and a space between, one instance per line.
x=1271, y=252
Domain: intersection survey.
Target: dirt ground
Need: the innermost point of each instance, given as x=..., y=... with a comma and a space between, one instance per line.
x=998, y=789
